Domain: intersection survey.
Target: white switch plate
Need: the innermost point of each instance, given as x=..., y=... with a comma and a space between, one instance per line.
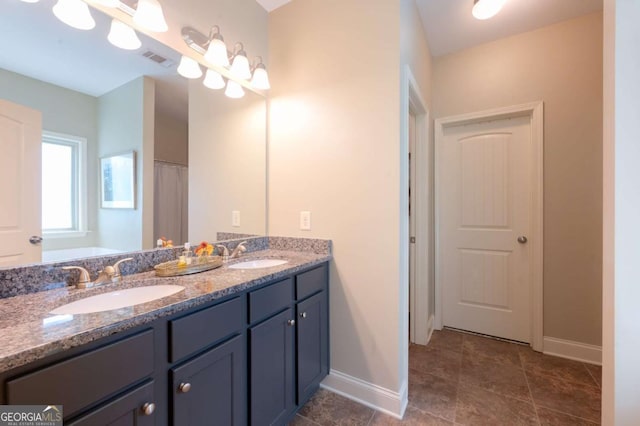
x=305, y=221
x=235, y=218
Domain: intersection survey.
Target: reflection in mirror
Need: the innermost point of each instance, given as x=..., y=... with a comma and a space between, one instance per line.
x=69, y=98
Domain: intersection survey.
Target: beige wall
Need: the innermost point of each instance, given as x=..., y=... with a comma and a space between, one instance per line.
x=126, y=122
x=171, y=139
x=227, y=163
x=562, y=66
x=334, y=150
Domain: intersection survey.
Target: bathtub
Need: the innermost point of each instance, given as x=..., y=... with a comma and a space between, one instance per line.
x=76, y=253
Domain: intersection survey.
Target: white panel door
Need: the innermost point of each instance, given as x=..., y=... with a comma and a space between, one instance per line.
x=20, y=183
x=484, y=209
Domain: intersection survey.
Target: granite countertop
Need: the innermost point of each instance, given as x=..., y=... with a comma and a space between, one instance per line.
x=28, y=332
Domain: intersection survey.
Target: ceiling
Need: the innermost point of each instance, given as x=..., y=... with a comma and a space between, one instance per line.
x=38, y=45
x=450, y=26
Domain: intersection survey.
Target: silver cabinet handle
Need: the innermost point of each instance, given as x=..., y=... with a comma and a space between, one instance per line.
x=291, y=322
x=148, y=408
x=522, y=239
x=184, y=387
x=303, y=314
x=35, y=240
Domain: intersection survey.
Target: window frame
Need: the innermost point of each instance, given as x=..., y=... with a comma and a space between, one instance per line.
x=79, y=145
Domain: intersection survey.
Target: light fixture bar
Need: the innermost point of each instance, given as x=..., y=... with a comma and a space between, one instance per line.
x=195, y=39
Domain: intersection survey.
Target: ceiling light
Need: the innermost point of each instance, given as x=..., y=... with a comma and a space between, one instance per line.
x=31, y=1
x=485, y=9
x=123, y=36
x=260, y=78
x=149, y=15
x=213, y=80
x=74, y=13
x=240, y=65
x=189, y=68
x=217, y=51
x=234, y=90
x=109, y=3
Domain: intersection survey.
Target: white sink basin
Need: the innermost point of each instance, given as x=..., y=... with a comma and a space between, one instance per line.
x=117, y=299
x=257, y=264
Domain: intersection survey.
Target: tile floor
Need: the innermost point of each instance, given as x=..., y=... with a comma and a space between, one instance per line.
x=463, y=379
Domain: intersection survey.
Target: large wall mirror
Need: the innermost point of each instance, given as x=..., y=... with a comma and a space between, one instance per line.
x=200, y=157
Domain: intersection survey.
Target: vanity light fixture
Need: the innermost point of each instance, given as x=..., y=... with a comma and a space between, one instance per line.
x=31, y=1
x=260, y=78
x=123, y=36
x=234, y=90
x=217, y=50
x=149, y=15
x=74, y=13
x=485, y=9
x=189, y=68
x=213, y=80
x=240, y=64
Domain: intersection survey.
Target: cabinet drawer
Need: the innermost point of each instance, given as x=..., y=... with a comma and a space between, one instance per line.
x=269, y=300
x=125, y=410
x=311, y=282
x=86, y=379
x=203, y=328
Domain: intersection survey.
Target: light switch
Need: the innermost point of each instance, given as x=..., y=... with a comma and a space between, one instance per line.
x=305, y=221
x=235, y=218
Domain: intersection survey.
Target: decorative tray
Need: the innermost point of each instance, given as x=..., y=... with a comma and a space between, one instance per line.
x=198, y=264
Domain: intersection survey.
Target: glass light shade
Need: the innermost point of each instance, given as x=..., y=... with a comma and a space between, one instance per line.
x=485, y=9
x=74, y=13
x=213, y=80
x=149, y=15
x=240, y=67
x=123, y=36
x=109, y=3
x=31, y=1
x=234, y=90
x=189, y=68
x=217, y=53
x=260, y=79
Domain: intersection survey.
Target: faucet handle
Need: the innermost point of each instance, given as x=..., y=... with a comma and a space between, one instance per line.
x=116, y=267
x=225, y=251
x=84, y=279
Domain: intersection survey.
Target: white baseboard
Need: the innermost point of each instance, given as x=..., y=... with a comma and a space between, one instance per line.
x=373, y=396
x=577, y=351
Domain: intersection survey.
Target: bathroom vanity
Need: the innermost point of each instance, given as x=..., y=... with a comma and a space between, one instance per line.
x=236, y=347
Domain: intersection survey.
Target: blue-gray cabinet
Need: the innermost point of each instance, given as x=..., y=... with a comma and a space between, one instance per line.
x=251, y=358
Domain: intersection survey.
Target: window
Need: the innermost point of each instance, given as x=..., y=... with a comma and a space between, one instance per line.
x=63, y=183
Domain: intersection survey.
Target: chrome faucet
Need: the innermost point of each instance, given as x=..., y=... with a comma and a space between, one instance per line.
x=240, y=248
x=110, y=274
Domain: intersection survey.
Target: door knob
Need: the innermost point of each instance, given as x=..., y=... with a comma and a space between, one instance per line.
x=35, y=239
x=522, y=239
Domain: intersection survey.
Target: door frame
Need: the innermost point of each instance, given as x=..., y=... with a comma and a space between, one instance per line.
x=421, y=187
x=534, y=110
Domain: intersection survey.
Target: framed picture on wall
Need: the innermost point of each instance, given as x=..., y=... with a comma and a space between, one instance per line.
x=118, y=181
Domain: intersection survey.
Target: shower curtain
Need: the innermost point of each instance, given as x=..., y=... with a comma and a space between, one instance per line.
x=171, y=202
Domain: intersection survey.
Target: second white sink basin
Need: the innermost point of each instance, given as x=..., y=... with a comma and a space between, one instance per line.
x=257, y=264
x=117, y=299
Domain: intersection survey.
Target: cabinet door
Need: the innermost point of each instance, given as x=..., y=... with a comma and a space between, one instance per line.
x=312, y=334
x=271, y=370
x=210, y=389
x=135, y=408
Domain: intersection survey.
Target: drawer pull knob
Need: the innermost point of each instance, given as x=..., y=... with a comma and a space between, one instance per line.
x=291, y=322
x=303, y=314
x=184, y=387
x=148, y=408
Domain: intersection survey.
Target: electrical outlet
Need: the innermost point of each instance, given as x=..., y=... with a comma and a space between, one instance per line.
x=305, y=221
x=235, y=218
